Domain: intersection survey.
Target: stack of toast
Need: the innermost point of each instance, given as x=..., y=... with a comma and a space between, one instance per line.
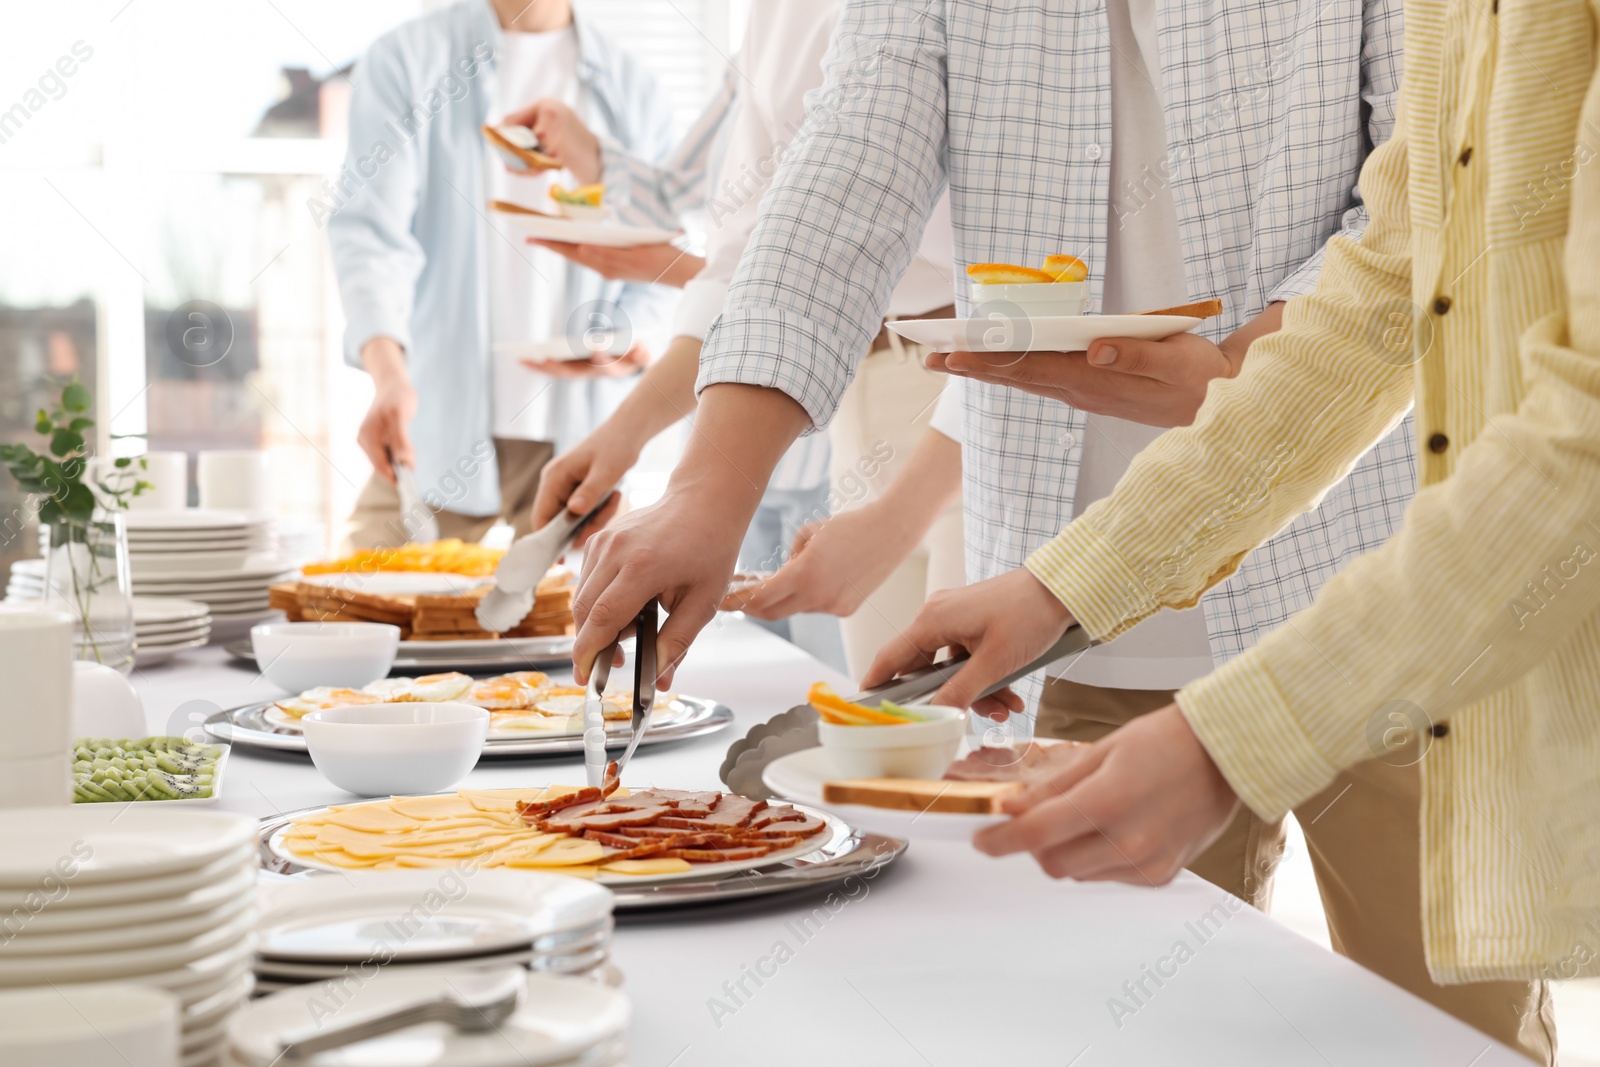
x=427, y=617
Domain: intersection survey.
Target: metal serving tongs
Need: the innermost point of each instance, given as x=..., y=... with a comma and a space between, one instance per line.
x=467, y=1000
x=416, y=517
x=644, y=695
x=518, y=573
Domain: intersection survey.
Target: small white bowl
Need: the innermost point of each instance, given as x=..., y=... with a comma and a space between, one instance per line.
x=584, y=212
x=303, y=655
x=379, y=750
x=1036, y=298
x=909, y=750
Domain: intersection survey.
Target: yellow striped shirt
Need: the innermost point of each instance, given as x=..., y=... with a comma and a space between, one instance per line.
x=1473, y=636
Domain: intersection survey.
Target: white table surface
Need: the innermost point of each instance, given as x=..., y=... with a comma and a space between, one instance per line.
x=947, y=957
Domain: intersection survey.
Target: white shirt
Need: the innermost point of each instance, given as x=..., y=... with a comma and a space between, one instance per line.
x=527, y=294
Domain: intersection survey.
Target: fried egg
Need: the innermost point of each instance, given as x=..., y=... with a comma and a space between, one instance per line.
x=322, y=698
x=534, y=679
x=431, y=687
x=612, y=707
x=389, y=689
x=500, y=694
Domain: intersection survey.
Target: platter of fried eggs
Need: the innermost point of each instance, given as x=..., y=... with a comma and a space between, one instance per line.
x=520, y=704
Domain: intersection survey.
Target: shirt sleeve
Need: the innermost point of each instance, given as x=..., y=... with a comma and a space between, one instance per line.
x=376, y=258
x=844, y=216
x=1309, y=401
x=647, y=193
x=1381, y=62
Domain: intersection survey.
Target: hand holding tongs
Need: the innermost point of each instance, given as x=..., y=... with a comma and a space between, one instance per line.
x=525, y=562
x=644, y=695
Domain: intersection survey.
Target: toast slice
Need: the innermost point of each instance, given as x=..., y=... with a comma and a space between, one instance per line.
x=534, y=160
x=921, y=794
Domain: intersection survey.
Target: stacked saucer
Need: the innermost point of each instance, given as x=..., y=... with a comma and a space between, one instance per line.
x=135, y=895
x=165, y=626
x=549, y=1021
x=416, y=921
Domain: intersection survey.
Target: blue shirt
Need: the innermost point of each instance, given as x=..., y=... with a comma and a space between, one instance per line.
x=407, y=227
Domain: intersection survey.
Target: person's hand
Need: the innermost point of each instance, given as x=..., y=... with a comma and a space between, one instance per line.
x=1005, y=623
x=599, y=365
x=580, y=477
x=386, y=429
x=1157, y=383
x=1136, y=806
x=680, y=551
x=658, y=264
x=834, y=565
x=562, y=136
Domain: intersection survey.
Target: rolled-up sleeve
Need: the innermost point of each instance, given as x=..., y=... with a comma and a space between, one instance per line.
x=844, y=215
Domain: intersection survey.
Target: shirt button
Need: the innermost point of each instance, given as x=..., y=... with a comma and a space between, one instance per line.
x=1439, y=729
x=1438, y=443
x=1092, y=151
x=1466, y=156
x=1441, y=304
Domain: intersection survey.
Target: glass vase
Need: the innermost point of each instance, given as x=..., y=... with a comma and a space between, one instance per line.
x=86, y=573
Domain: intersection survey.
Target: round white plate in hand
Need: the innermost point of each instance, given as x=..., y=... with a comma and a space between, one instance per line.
x=800, y=776
x=1011, y=329
x=604, y=234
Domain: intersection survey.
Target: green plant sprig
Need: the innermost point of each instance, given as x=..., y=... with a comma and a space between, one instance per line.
x=58, y=477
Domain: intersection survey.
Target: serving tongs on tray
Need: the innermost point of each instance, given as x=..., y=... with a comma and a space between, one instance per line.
x=645, y=625
x=525, y=562
x=796, y=729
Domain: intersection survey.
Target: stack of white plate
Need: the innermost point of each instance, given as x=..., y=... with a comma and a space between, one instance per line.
x=558, y=1022
x=166, y=626
x=135, y=895
x=424, y=920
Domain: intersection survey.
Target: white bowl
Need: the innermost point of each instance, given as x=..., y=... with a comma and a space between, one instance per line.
x=379, y=750
x=909, y=750
x=303, y=655
x=1035, y=298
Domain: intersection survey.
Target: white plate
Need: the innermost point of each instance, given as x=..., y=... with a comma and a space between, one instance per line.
x=219, y=1005
x=166, y=635
x=155, y=656
x=571, y=726
x=194, y=519
x=208, y=566
x=558, y=1020
x=558, y=349
x=604, y=234
x=214, y=583
x=834, y=829
x=163, y=610
x=800, y=775
x=219, y=768
x=30, y=942
x=84, y=898
x=401, y=583
x=512, y=647
x=1020, y=332
x=346, y=920
x=106, y=965
x=205, y=978
x=227, y=886
x=101, y=843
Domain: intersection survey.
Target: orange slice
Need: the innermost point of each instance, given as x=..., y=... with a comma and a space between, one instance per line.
x=1006, y=274
x=1064, y=268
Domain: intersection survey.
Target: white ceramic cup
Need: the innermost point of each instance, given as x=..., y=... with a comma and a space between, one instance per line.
x=379, y=750
x=104, y=703
x=168, y=475
x=89, y=1026
x=235, y=481
x=36, y=680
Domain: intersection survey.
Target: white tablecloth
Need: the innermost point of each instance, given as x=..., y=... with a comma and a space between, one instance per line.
x=947, y=957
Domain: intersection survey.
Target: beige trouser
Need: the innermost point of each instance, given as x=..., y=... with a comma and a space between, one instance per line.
x=375, y=522
x=885, y=412
x=1364, y=836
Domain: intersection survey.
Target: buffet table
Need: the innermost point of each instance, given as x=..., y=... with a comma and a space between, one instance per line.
x=947, y=957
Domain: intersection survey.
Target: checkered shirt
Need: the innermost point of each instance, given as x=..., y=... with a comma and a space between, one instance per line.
x=1271, y=109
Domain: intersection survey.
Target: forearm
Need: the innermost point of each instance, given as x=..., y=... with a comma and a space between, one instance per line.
x=740, y=434
x=927, y=483
x=385, y=360
x=663, y=395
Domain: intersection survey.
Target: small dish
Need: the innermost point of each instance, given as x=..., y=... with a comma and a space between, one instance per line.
x=297, y=656
x=376, y=750
x=583, y=212
x=905, y=750
x=1044, y=298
